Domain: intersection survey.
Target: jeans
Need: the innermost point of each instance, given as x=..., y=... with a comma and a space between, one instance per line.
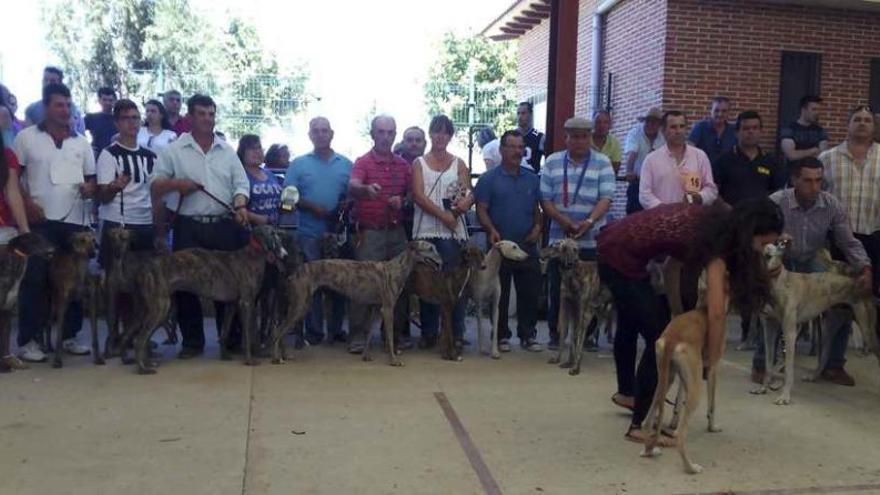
x=450, y=253
x=639, y=308
x=526, y=276
x=311, y=248
x=837, y=320
x=554, y=280
x=221, y=236
x=33, y=295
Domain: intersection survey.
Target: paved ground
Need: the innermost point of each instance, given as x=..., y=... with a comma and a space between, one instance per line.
x=327, y=423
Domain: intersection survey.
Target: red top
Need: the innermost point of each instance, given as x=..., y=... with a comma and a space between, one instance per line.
x=393, y=174
x=627, y=245
x=6, y=219
x=182, y=125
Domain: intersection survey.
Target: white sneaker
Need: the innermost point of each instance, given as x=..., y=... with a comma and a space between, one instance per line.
x=31, y=353
x=71, y=346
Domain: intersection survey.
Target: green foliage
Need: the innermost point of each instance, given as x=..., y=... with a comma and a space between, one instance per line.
x=142, y=47
x=491, y=66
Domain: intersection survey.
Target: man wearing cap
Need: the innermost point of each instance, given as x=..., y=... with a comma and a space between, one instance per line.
x=642, y=139
x=577, y=186
x=677, y=172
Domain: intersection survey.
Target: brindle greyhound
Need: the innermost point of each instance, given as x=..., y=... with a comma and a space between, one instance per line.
x=223, y=276
x=445, y=289
x=374, y=283
x=122, y=265
x=13, y=261
x=800, y=298
x=581, y=297
x=484, y=288
x=69, y=281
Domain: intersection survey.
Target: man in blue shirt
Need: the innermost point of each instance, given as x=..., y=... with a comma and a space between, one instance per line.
x=507, y=207
x=322, y=179
x=714, y=134
x=577, y=187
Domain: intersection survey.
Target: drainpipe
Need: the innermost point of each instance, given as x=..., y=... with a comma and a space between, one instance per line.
x=598, y=54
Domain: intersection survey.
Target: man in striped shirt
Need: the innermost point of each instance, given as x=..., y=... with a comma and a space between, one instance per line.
x=853, y=172
x=577, y=186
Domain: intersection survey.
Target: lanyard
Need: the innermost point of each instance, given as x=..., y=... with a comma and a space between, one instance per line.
x=565, y=179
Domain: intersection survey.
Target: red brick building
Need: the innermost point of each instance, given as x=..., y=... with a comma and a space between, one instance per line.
x=763, y=54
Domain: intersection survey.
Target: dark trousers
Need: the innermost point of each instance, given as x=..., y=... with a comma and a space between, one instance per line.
x=632, y=198
x=554, y=280
x=872, y=247
x=644, y=313
x=142, y=237
x=429, y=314
x=526, y=276
x=33, y=296
x=221, y=236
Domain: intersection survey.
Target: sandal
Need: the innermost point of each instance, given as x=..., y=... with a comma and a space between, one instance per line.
x=635, y=434
x=620, y=400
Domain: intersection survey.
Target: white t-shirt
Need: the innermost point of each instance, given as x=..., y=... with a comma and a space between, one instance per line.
x=54, y=174
x=492, y=155
x=156, y=142
x=132, y=205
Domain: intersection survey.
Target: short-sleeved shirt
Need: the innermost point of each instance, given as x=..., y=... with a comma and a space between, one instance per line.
x=6, y=219
x=265, y=195
x=394, y=175
x=155, y=142
x=637, y=142
x=511, y=200
x=664, y=180
x=804, y=136
x=738, y=177
x=705, y=137
x=219, y=171
x=132, y=205
x=627, y=245
x=102, y=127
x=182, y=125
x=856, y=184
x=560, y=174
x=55, y=173
x=319, y=182
x=611, y=149
x=534, y=142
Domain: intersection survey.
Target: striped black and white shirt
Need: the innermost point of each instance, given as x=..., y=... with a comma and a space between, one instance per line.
x=132, y=205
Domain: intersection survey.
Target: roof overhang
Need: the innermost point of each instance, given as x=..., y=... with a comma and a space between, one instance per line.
x=517, y=20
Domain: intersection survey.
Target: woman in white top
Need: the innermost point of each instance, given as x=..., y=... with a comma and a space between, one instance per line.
x=442, y=193
x=156, y=132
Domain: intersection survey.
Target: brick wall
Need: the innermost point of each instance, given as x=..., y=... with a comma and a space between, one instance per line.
x=584, y=57
x=634, y=46
x=735, y=48
x=532, y=61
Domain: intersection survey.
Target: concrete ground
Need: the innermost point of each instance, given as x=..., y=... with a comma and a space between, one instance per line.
x=328, y=423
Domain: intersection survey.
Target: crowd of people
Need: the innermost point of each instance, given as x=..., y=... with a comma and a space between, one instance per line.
x=711, y=195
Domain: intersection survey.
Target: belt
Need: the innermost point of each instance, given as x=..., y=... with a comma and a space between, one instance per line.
x=206, y=218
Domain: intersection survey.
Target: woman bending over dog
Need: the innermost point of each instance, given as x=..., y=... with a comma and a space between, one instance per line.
x=726, y=243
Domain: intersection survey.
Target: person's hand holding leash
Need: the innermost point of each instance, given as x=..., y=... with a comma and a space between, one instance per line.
x=241, y=216
x=395, y=202
x=87, y=189
x=495, y=237
x=120, y=182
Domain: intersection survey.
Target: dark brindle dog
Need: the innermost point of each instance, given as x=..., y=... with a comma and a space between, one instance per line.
x=69, y=281
x=374, y=283
x=225, y=276
x=13, y=261
x=445, y=289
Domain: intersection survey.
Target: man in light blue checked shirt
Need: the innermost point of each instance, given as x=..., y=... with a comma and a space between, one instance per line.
x=577, y=186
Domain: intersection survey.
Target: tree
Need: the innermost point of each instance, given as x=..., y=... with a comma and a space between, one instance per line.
x=142, y=47
x=473, y=62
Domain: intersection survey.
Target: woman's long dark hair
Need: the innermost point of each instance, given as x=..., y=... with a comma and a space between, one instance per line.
x=165, y=123
x=728, y=234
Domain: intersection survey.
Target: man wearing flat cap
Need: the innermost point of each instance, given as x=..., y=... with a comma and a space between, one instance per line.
x=577, y=186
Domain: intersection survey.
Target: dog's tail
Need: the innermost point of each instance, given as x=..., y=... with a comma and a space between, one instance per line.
x=654, y=420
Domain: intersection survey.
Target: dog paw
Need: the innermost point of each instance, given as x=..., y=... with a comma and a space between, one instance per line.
x=574, y=371
x=651, y=451
x=693, y=469
x=761, y=390
x=783, y=400
x=278, y=361
x=396, y=363
x=496, y=355
x=715, y=429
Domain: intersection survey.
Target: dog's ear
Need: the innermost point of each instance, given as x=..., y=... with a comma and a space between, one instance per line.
x=551, y=251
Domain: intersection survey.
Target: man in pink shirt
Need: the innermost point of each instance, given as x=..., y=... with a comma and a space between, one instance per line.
x=676, y=172
x=380, y=185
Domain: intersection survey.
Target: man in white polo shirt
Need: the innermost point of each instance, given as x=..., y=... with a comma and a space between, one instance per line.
x=59, y=174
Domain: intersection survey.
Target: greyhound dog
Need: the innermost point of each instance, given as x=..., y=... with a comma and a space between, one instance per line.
x=581, y=297
x=375, y=283
x=13, y=261
x=224, y=276
x=122, y=265
x=680, y=351
x=70, y=281
x=445, y=290
x=800, y=298
x=484, y=288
